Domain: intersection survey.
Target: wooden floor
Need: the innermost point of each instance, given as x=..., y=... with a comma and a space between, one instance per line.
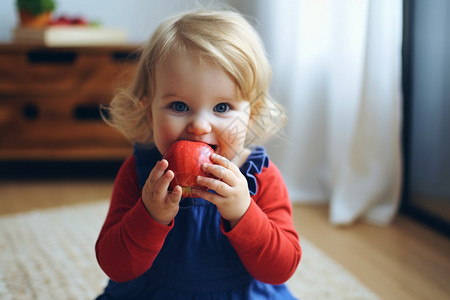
x=402, y=261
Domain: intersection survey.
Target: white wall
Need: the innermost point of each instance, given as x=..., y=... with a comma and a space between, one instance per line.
x=138, y=17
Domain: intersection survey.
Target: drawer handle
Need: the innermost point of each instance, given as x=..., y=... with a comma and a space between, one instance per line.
x=125, y=56
x=38, y=57
x=30, y=112
x=88, y=112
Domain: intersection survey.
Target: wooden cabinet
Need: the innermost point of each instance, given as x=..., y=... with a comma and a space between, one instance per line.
x=50, y=101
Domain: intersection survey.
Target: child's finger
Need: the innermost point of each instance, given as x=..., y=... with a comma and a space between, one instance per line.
x=218, y=186
x=220, y=173
x=162, y=184
x=175, y=195
x=224, y=162
x=157, y=172
x=208, y=196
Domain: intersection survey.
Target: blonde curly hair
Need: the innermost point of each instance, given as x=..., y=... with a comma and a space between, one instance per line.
x=223, y=37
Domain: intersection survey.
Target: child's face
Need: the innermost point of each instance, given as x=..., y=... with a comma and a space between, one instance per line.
x=195, y=100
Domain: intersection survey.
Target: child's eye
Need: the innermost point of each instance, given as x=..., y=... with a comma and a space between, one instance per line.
x=179, y=106
x=222, y=107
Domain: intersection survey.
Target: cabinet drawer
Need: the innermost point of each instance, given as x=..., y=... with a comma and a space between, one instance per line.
x=49, y=71
x=50, y=100
x=52, y=127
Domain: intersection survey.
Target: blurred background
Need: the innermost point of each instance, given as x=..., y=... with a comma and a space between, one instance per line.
x=365, y=83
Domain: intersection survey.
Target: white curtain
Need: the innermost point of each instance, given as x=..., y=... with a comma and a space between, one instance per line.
x=337, y=71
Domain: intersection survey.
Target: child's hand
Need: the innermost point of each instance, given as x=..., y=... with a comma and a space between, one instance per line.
x=160, y=203
x=233, y=197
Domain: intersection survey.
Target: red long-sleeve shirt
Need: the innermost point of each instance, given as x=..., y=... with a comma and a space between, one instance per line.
x=264, y=239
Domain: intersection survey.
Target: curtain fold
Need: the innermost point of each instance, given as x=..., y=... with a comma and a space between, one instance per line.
x=337, y=71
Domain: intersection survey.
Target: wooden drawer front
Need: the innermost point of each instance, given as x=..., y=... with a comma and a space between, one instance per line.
x=50, y=98
x=45, y=125
x=47, y=72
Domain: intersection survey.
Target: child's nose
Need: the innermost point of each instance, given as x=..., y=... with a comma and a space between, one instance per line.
x=199, y=125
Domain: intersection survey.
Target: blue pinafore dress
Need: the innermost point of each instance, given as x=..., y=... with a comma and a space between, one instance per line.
x=196, y=261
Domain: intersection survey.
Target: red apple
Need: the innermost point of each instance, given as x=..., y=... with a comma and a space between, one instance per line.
x=185, y=160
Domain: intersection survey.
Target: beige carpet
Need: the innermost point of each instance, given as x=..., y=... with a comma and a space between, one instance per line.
x=49, y=254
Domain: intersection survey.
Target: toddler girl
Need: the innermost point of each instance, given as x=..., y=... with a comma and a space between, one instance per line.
x=203, y=76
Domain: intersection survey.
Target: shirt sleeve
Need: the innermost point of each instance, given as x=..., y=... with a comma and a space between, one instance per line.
x=130, y=239
x=265, y=238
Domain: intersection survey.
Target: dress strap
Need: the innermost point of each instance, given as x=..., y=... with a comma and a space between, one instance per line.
x=254, y=164
x=146, y=158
